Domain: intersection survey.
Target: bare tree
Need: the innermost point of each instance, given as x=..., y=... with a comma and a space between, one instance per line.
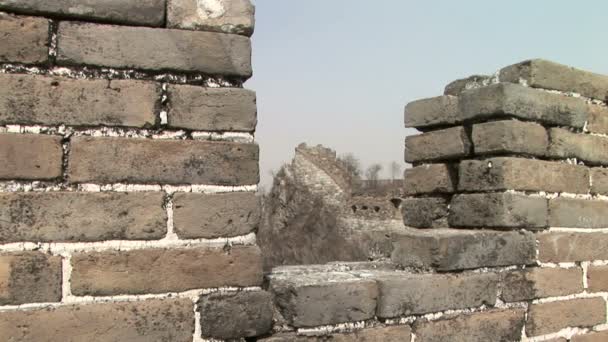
x=352, y=163
x=372, y=174
x=395, y=170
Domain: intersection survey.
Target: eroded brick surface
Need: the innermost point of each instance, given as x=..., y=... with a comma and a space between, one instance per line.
x=551, y=317
x=30, y=157
x=29, y=277
x=24, y=39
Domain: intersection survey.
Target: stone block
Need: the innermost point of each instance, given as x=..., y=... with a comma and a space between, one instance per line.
x=597, y=278
x=154, y=49
x=142, y=321
x=212, y=216
x=598, y=119
x=29, y=277
x=456, y=88
x=551, y=317
x=449, y=249
x=113, y=160
x=591, y=149
x=30, y=157
x=425, y=212
x=235, y=315
x=600, y=336
x=395, y=333
x=445, y=144
x=42, y=100
x=510, y=137
x=81, y=216
x=430, y=179
x=533, y=283
x=540, y=73
x=559, y=247
x=577, y=213
x=434, y=111
x=498, y=210
x=212, y=109
x=506, y=173
x=233, y=16
x=599, y=181
x=165, y=270
x=24, y=39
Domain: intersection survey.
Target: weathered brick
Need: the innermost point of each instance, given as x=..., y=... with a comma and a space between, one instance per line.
x=533, y=283
x=24, y=39
x=234, y=16
x=598, y=119
x=601, y=336
x=235, y=315
x=152, y=320
x=425, y=212
x=212, y=109
x=513, y=100
x=505, y=173
x=403, y=294
x=35, y=99
x=133, y=12
x=597, y=278
x=440, y=110
x=510, y=136
x=486, y=326
x=498, y=210
x=445, y=144
x=543, y=318
x=588, y=148
x=577, y=213
x=399, y=333
x=164, y=270
x=29, y=277
x=599, y=180
x=308, y=300
x=30, y=156
x=154, y=49
x=112, y=160
x=455, y=88
x=74, y=216
x=450, y=249
x=540, y=73
x=430, y=178
x=572, y=247
x=211, y=216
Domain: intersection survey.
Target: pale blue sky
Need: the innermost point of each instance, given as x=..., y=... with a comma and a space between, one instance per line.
x=339, y=72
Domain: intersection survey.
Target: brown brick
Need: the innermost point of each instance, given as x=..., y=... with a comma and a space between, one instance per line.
x=601, y=336
x=24, y=39
x=498, y=210
x=540, y=73
x=30, y=156
x=218, y=215
x=577, y=213
x=510, y=137
x=425, y=212
x=112, y=160
x=212, y=109
x=74, y=216
x=486, y=326
x=165, y=270
x=29, y=277
x=154, y=49
x=451, y=249
x=146, y=321
x=505, y=173
x=399, y=333
x=235, y=16
x=551, y=317
x=430, y=178
x=599, y=180
x=445, y=144
x=403, y=294
x=133, y=12
x=597, y=278
x=35, y=99
x=235, y=315
x=533, y=283
x=571, y=247
x=588, y=148
x=440, y=110
x=598, y=119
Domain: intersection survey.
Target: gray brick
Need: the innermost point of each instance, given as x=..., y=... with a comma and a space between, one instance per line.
x=132, y=12
x=599, y=181
x=456, y=88
x=24, y=39
x=445, y=144
x=430, y=178
x=510, y=137
x=154, y=49
x=522, y=174
x=440, y=110
x=112, y=160
x=73, y=216
x=533, y=283
x=498, y=210
x=558, y=247
x=29, y=277
x=585, y=312
x=30, y=156
x=588, y=148
x=212, y=109
x=403, y=294
x=577, y=213
x=234, y=16
x=450, y=249
x=34, y=99
x=545, y=74
x=425, y=212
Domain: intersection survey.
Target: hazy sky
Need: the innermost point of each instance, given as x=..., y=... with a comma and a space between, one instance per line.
x=339, y=72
